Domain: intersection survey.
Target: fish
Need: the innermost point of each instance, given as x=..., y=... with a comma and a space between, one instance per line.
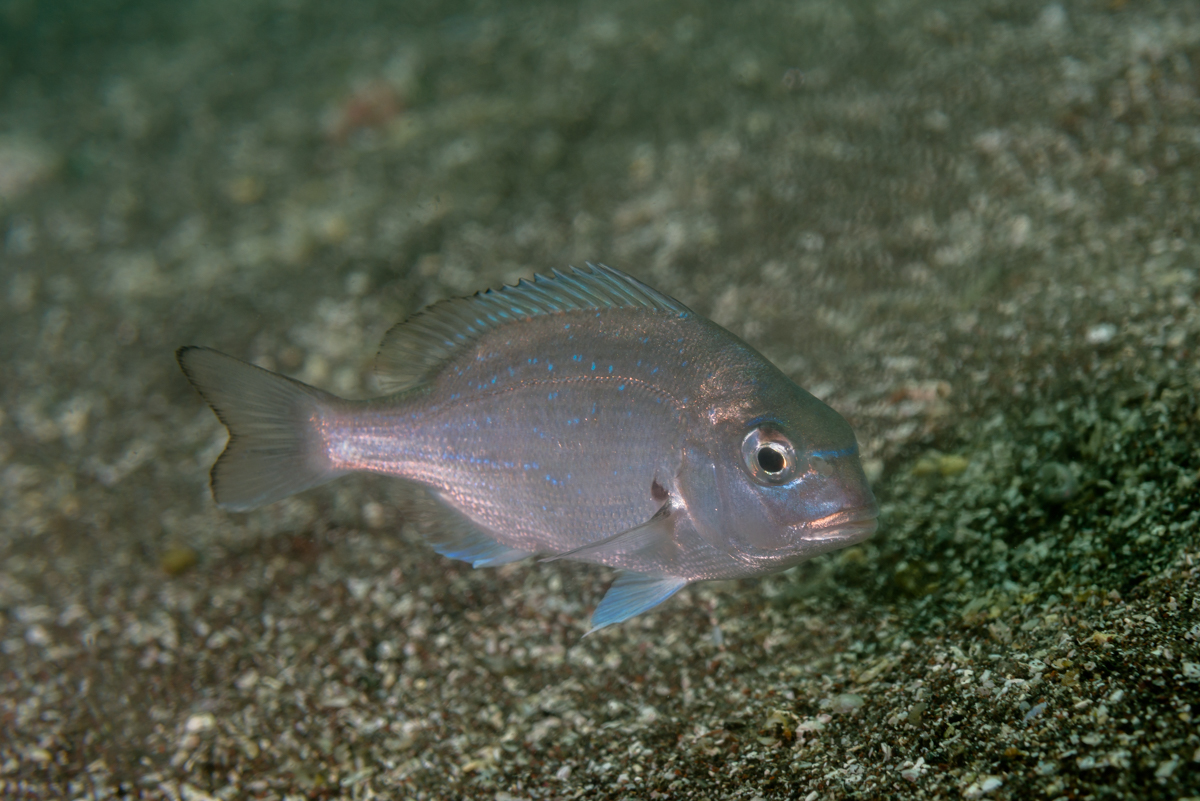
x=581, y=416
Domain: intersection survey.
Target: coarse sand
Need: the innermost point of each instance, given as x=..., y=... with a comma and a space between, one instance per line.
x=972, y=228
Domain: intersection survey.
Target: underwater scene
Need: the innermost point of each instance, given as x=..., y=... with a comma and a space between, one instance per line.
x=847, y=446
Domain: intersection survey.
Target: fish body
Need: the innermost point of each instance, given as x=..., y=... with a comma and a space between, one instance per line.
x=584, y=416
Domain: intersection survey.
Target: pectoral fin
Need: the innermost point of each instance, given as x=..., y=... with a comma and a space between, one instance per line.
x=631, y=594
x=652, y=541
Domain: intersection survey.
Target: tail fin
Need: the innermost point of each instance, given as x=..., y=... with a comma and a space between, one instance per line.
x=274, y=447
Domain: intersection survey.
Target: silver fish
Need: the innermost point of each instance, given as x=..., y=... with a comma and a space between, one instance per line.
x=584, y=416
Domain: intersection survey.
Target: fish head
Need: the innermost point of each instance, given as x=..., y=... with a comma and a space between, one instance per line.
x=772, y=476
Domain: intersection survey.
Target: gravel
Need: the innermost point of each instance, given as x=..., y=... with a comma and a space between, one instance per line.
x=972, y=229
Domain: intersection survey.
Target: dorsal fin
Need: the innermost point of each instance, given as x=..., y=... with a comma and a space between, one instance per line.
x=413, y=351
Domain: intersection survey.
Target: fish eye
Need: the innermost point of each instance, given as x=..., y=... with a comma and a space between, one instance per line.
x=770, y=456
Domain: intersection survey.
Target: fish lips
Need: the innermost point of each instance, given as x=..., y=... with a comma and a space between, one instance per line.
x=806, y=540
x=840, y=529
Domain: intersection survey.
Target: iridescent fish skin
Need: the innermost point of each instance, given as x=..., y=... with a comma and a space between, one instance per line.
x=584, y=416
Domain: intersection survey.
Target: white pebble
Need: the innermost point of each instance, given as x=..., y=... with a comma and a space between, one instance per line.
x=1052, y=21
x=847, y=702
x=199, y=723
x=1102, y=333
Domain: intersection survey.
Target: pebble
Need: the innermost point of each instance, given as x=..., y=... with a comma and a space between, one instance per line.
x=24, y=163
x=178, y=560
x=1101, y=334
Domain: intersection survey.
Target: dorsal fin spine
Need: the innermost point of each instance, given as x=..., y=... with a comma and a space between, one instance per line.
x=578, y=291
x=539, y=292
x=414, y=351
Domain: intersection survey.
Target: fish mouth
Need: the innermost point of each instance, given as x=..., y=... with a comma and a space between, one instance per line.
x=847, y=526
x=838, y=530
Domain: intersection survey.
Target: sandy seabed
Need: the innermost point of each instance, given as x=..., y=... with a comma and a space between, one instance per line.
x=971, y=228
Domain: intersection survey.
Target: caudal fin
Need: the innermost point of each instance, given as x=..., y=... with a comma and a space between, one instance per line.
x=274, y=446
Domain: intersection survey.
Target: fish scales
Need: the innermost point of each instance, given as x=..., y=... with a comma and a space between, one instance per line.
x=533, y=452
x=531, y=433
x=584, y=416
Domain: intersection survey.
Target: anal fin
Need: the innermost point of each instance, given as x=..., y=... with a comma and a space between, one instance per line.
x=453, y=535
x=631, y=594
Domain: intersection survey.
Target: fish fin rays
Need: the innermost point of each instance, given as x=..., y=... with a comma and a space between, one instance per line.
x=415, y=350
x=273, y=451
x=630, y=595
x=655, y=537
x=455, y=536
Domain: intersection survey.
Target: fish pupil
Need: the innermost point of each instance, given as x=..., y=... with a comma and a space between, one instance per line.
x=770, y=459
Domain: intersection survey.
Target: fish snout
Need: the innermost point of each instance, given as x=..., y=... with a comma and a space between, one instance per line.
x=843, y=528
x=849, y=506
